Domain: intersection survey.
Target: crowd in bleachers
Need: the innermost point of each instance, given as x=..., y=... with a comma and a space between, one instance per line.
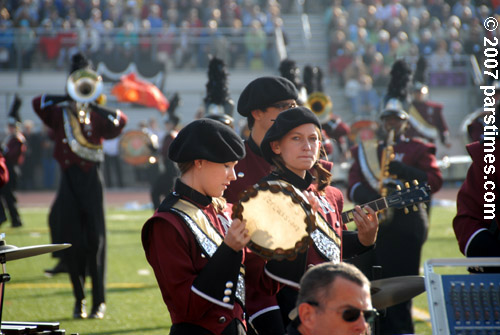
x=182, y=32
x=367, y=36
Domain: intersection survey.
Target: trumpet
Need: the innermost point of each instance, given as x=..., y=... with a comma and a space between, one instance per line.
x=84, y=85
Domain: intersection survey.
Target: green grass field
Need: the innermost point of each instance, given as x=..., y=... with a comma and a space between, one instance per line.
x=134, y=302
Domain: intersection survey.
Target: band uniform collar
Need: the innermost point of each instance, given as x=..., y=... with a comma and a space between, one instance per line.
x=184, y=190
x=294, y=179
x=253, y=146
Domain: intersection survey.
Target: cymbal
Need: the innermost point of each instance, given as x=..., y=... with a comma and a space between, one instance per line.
x=395, y=290
x=12, y=252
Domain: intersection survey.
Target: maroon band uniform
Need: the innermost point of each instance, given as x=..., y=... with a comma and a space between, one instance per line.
x=78, y=150
x=399, y=234
x=432, y=113
x=474, y=227
x=201, y=291
x=14, y=150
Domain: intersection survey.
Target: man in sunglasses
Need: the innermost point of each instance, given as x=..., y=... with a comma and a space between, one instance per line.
x=333, y=299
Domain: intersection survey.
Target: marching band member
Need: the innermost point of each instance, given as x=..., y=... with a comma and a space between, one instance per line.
x=292, y=146
x=399, y=234
x=288, y=69
x=78, y=136
x=321, y=104
x=14, y=151
x=476, y=224
x=164, y=184
x=217, y=99
x=197, y=254
x=474, y=124
x=426, y=120
x=260, y=102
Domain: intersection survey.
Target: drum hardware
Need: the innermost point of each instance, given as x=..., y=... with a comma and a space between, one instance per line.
x=364, y=129
x=395, y=290
x=11, y=252
x=138, y=148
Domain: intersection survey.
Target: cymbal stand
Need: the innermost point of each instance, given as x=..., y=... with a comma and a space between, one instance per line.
x=4, y=277
x=377, y=274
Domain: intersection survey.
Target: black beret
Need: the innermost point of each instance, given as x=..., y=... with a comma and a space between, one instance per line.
x=263, y=92
x=286, y=121
x=206, y=139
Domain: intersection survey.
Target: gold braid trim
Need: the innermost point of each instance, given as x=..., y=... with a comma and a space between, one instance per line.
x=77, y=133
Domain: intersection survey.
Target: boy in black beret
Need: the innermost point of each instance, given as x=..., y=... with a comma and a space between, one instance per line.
x=261, y=102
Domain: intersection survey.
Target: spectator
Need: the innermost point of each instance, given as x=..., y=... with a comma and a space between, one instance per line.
x=440, y=59
x=154, y=17
x=426, y=46
x=24, y=43
x=68, y=39
x=255, y=43
x=6, y=45
x=368, y=99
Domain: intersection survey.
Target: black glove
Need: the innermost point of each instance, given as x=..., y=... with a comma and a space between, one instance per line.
x=406, y=172
x=55, y=99
x=484, y=244
x=107, y=113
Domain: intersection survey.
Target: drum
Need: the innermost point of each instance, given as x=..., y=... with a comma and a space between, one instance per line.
x=136, y=147
x=278, y=218
x=365, y=129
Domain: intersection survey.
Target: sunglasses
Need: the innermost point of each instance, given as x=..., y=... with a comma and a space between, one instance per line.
x=352, y=314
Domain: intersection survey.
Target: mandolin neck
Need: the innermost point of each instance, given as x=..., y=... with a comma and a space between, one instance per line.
x=376, y=205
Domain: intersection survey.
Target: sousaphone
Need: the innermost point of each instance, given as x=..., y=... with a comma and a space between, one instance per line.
x=321, y=105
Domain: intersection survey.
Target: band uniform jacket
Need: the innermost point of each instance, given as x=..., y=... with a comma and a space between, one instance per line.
x=470, y=219
x=198, y=289
x=99, y=128
x=14, y=149
x=4, y=173
x=249, y=171
x=427, y=121
x=412, y=152
x=403, y=232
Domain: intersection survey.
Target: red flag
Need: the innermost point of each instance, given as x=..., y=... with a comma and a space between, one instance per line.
x=132, y=89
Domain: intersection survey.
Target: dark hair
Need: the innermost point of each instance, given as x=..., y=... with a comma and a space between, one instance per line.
x=316, y=283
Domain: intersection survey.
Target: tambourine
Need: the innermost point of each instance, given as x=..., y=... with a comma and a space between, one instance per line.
x=278, y=218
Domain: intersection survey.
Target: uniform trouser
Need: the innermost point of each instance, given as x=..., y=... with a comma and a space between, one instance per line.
x=80, y=202
x=7, y=194
x=398, y=250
